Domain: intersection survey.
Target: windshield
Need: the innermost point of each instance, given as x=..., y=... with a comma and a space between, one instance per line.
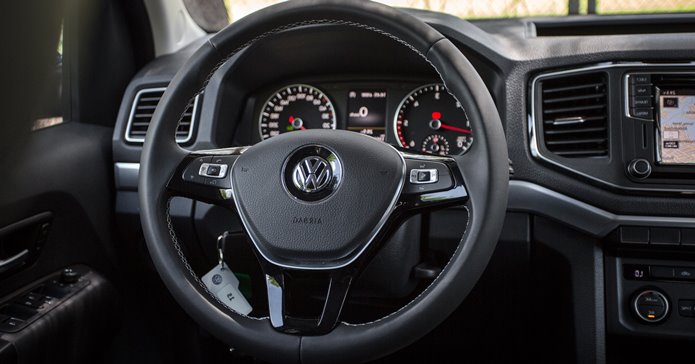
x=482, y=9
x=213, y=15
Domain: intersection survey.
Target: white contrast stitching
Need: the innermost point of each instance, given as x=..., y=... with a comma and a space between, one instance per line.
x=232, y=54
x=181, y=255
x=426, y=289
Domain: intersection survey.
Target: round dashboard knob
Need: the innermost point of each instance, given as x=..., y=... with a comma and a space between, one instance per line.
x=650, y=306
x=639, y=168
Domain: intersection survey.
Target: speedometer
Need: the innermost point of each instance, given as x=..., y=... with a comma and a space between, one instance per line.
x=430, y=120
x=296, y=107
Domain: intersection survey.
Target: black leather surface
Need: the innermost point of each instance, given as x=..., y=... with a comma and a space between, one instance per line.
x=485, y=167
x=372, y=177
x=487, y=184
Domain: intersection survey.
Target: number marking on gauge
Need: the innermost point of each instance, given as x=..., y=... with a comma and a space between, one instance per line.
x=428, y=118
x=296, y=107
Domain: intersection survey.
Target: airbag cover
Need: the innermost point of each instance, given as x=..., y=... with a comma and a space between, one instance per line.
x=318, y=229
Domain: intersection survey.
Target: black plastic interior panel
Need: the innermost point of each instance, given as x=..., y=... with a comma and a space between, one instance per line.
x=75, y=158
x=23, y=308
x=497, y=320
x=21, y=242
x=60, y=320
x=568, y=274
x=628, y=276
x=614, y=25
x=563, y=309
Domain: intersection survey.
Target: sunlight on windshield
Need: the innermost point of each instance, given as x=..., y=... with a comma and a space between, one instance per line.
x=475, y=9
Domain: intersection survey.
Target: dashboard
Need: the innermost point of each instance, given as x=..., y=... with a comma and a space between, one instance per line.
x=600, y=131
x=414, y=116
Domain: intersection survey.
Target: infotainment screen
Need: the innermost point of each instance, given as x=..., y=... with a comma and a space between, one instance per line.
x=676, y=129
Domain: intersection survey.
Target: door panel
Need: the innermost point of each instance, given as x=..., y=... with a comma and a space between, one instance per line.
x=61, y=177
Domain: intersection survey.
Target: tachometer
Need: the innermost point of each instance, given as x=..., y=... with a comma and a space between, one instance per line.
x=429, y=119
x=296, y=107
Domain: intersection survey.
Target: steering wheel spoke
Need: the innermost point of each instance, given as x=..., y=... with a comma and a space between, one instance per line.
x=431, y=182
x=318, y=204
x=280, y=293
x=206, y=176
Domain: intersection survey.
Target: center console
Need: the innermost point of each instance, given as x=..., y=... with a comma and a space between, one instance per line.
x=629, y=128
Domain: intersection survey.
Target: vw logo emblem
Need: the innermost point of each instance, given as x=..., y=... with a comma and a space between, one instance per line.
x=312, y=174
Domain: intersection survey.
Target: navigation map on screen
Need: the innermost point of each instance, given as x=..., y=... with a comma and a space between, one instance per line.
x=677, y=126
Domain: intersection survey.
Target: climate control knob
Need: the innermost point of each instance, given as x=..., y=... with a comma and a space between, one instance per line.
x=650, y=306
x=639, y=168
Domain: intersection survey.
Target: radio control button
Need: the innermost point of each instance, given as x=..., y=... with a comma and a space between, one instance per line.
x=640, y=79
x=642, y=113
x=641, y=101
x=639, y=168
x=640, y=90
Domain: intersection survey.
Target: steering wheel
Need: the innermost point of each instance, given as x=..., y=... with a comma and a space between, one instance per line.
x=324, y=201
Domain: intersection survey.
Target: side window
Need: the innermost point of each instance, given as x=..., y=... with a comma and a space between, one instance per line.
x=48, y=110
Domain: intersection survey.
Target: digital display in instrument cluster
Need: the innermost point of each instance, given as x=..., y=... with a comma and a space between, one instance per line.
x=428, y=119
x=367, y=112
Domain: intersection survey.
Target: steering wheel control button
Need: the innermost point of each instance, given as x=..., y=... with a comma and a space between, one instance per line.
x=192, y=173
x=213, y=170
x=650, y=306
x=686, y=308
x=423, y=176
x=312, y=173
x=426, y=177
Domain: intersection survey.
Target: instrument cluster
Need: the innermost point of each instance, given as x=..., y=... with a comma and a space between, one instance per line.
x=415, y=116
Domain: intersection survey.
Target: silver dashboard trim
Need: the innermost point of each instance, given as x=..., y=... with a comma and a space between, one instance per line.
x=626, y=96
x=130, y=139
x=531, y=112
x=523, y=197
x=126, y=175
x=532, y=198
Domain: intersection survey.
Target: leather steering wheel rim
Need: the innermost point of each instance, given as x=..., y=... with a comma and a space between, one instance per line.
x=484, y=167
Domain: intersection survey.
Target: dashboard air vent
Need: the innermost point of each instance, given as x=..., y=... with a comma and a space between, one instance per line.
x=145, y=102
x=574, y=112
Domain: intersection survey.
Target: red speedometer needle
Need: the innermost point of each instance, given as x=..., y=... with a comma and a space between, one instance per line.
x=453, y=128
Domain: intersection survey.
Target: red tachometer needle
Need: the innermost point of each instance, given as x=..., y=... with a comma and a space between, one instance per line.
x=453, y=128
x=437, y=116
